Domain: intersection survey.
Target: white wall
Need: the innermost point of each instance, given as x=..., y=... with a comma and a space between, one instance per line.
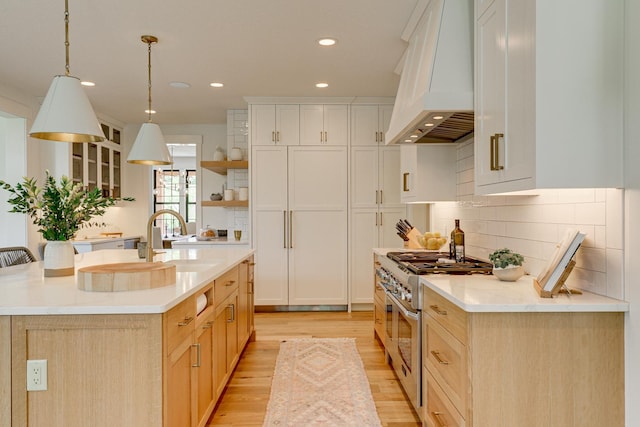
x=533, y=225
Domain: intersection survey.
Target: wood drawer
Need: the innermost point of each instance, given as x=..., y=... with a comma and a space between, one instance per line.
x=225, y=285
x=179, y=323
x=378, y=292
x=438, y=411
x=446, y=359
x=449, y=315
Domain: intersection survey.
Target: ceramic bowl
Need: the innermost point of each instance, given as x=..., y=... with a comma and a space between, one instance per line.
x=510, y=273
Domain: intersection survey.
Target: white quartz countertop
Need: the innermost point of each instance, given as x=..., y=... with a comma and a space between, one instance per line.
x=25, y=291
x=485, y=293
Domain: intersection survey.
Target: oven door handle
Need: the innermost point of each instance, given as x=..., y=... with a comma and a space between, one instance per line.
x=405, y=312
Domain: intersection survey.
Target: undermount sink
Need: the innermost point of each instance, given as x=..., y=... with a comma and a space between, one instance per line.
x=126, y=276
x=191, y=265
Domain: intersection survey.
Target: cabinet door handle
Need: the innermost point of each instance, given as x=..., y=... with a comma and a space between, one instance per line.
x=405, y=178
x=495, y=152
x=380, y=219
x=377, y=136
x=186, y=321
x=381, y=202
x=436, y=355
x=321, y=137
x=290, y=229
x=376, y=219
x=284, y=229
x=377, y=197
x=436, y=416
x=250, y=290
x=325, y=137
x=207, y=325
x=277, y=136
x=438, y=310
x=232, y=307
x=198, y=355
x=273, y=136
x=230, y=283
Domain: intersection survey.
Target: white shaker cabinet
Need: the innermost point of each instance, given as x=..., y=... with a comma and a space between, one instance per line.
x=324, y=124
x=369, y=124
x=428, y=172
x=275, y=124
x=300, y=225
x=548, y=95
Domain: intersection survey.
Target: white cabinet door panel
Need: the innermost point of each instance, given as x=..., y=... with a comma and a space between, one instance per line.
x=364, y=237
x=311, y=125
x=269, y=178
x=364, y=125
x=318, y=258
x=263, y=119
x=336, y=124
x=364, y=177
x=271, y=283
x=390, y=179
x=317, y=178
x=288, y=124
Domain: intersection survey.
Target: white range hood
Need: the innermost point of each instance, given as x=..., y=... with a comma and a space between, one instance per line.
x=434, y=102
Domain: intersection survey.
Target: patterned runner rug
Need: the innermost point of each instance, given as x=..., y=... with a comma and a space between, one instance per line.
x=320, y=382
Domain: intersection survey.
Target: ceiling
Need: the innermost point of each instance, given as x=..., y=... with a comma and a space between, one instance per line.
x=255, y=47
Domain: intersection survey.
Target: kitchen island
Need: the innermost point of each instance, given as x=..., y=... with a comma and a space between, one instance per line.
x=146, y=358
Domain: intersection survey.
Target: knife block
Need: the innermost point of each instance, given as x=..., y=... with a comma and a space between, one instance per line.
x=414, y=239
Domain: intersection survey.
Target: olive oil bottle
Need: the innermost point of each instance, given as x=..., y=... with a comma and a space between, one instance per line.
x=457, y=242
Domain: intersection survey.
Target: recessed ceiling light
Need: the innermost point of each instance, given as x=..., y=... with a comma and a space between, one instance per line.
x=89, y=84
x=408, y=140
x=437, y=117
x=149, y=111
x=327, y=41
x=413, y=136
x=180, y=85
x=216, y=84
x=428, y=124
x=322, y=85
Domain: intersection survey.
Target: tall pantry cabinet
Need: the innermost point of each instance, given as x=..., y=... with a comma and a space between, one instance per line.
x=374, y=195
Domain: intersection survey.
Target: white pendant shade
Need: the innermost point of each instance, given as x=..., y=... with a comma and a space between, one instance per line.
x=149, y=147
x=66, y=114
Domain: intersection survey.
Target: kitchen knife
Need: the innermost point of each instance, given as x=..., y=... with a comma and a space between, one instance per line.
x=408, y=224
x=405, y=238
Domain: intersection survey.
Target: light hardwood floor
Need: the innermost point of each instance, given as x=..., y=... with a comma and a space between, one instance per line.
x=244, y=402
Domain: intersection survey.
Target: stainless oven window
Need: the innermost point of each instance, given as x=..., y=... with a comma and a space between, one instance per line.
x=405, y=343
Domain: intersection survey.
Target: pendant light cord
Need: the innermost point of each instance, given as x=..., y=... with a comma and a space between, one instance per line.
x=149, y=67
x=66, y=36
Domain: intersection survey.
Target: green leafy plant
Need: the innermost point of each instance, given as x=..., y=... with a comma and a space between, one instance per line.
x=503, y=258
x=59, y=210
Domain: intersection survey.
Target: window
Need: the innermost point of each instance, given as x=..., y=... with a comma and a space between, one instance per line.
x=175, y=190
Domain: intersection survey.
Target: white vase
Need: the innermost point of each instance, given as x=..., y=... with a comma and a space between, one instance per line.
x=58, y=259
x=510, y=273
x=235, y=154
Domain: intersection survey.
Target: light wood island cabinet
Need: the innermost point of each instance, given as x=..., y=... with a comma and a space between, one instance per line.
x=522, y=368
x=149, y=369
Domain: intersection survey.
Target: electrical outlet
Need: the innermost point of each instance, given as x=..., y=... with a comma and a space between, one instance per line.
x=36, y=375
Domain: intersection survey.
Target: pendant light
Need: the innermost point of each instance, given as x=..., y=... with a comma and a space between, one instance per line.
x=66, y=114
x=149, y=147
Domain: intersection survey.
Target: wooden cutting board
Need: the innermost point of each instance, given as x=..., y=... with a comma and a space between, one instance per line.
x=126, y=276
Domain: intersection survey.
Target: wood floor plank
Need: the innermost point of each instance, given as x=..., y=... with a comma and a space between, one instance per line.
x=244, y=402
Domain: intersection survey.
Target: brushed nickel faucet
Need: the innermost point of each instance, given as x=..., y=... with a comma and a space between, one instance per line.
x=183, y=229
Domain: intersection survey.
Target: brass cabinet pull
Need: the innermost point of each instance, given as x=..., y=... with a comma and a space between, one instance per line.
x=325, y=137
x=186, y=321
x=405, y=177
x=232, y=307
x=230, y=283
x=438, y=310
x=495, y=152
x=250, y=286
x=277, y=136
x=290, y=229
x=376, y=197
x=441, y=361
x=376, y=219
x=207, y=325
x=198, y=355
x=377, y=136
x=381, y=202
x=273, y=136
x=321, y=137
x=284, y=229
x=436, y=416
x=380, y=219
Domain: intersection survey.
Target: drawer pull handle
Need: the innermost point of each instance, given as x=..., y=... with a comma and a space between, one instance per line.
x=186, y=321
x=441, y=361
x=436, y=416
x=230, y=283
x=207, y=325
x=438, y=310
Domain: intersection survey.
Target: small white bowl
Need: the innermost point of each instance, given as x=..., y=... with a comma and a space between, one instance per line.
x=510, y=273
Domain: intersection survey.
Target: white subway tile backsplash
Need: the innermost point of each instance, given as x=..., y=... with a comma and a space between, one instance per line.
x=533, y=226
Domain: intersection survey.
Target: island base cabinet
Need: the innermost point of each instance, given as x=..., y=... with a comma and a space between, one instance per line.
x=95, y=364
x=226, y=340
x=179, y=385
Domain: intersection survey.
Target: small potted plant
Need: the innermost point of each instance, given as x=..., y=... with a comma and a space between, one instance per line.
x=59, y=210
x=507, y=265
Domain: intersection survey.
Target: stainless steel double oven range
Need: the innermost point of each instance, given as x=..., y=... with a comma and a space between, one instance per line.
x=398, y=273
